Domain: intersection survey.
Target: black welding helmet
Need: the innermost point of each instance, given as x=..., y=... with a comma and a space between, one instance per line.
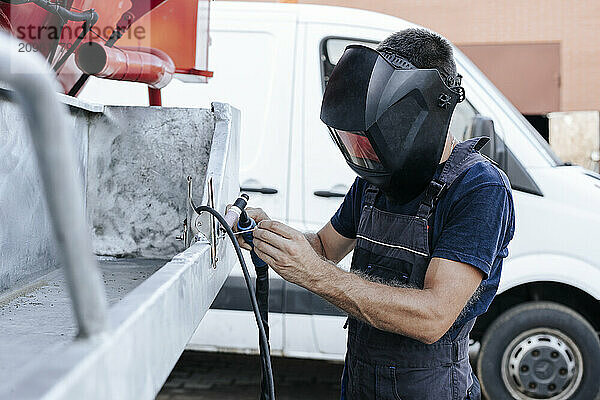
x=389, y=118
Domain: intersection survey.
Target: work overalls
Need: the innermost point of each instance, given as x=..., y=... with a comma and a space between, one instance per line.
x=395, y=249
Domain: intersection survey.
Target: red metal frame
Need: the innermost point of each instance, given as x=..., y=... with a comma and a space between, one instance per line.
x=154, y=97
x=170, y=27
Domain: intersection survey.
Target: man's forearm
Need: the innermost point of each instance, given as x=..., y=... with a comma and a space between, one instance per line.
x=315, y=242
x=407, y=311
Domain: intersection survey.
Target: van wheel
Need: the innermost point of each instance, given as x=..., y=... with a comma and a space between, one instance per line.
x=540, y=350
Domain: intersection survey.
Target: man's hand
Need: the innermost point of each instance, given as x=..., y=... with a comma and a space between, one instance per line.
x=287, y=251
x=258, y=215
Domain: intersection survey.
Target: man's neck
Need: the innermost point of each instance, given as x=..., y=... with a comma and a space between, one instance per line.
x=451, y=141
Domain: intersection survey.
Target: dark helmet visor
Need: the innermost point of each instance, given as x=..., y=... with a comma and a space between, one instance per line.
x=356, y=148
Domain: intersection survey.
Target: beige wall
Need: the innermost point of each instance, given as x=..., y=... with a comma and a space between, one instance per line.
x=575, y=136
x=575, y=24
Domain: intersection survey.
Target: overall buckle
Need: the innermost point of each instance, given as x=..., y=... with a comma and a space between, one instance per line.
x=434, y=191
x=432, y=195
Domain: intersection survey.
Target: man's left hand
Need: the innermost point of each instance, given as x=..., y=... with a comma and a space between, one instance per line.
x=287, y=251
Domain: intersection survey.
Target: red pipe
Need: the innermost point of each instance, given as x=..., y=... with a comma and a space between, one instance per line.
x=150, y=66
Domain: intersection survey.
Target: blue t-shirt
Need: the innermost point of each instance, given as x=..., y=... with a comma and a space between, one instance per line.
x=472, y=223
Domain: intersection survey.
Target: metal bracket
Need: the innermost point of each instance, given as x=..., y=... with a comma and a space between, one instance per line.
x=201, y=226
x=213, y=225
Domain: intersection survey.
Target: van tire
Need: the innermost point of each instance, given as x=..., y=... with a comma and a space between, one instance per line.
x=558, y=334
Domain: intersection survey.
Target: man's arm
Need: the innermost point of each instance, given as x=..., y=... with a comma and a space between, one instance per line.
x=421, y=314
x=424, y=315
x=329, y=244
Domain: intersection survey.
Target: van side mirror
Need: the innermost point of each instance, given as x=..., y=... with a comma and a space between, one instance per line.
x=495, y=148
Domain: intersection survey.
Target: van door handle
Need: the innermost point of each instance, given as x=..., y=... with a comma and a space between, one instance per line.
x=328, y=193
x=262, y=190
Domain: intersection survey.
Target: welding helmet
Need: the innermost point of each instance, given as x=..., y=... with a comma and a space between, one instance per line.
x=389, y=119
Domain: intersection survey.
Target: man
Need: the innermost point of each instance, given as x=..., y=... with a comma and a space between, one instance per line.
x=428, y=218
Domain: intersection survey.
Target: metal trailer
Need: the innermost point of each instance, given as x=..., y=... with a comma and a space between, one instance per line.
x=110, y=326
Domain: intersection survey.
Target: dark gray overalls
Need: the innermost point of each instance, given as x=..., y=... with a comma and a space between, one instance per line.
x=395, y=249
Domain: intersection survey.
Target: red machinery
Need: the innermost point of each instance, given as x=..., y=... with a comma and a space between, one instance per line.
x=156, y=39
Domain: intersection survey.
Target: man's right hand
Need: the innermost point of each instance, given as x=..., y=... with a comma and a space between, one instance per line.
x=257, y=214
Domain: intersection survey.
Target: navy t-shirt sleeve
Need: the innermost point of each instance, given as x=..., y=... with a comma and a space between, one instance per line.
x=478, y=227
x=345, y=220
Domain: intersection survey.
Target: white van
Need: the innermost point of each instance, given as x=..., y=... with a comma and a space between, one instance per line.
x=539, y=339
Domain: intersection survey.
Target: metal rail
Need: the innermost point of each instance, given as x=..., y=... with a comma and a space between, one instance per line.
x=35, y=86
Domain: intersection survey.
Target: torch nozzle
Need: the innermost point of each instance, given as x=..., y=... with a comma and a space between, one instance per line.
x=236, y=210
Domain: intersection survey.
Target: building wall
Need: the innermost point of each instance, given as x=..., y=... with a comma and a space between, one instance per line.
x=573, y=24
x=527, y=73
x=575, y=136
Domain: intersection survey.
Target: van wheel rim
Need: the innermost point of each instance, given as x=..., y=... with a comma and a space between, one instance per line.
x=542, y=363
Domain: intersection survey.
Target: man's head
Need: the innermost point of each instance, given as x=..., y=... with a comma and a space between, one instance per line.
x=388, y=110
x=423, y=49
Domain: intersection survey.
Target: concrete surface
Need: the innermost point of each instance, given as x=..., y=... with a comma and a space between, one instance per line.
x=36, y=317
x=212, y=376
x=219, y=376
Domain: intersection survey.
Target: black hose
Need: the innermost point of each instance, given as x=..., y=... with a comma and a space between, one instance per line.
x=116, y=34
x=265, y=353
x=247, y=224
x=52, y=53
x=78, y=85
x=88, y=17
x=66, y=15
x=57, y=9
x=86, y=29
x=16, y=2
x=262, y=296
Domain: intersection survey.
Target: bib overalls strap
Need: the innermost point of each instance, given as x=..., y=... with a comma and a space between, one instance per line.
x=394, y=249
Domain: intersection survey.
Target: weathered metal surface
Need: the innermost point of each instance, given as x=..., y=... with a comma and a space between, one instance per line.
x=46, y=117
x=148, y=331
x=150, y=326
x=139, y=159
x=38, y=316
x=27, y=246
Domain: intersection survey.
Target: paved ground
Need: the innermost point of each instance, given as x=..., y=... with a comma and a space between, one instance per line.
x=208, y=376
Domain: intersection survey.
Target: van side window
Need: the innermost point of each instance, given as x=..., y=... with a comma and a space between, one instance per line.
x=462, y=119
x=331, y=51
